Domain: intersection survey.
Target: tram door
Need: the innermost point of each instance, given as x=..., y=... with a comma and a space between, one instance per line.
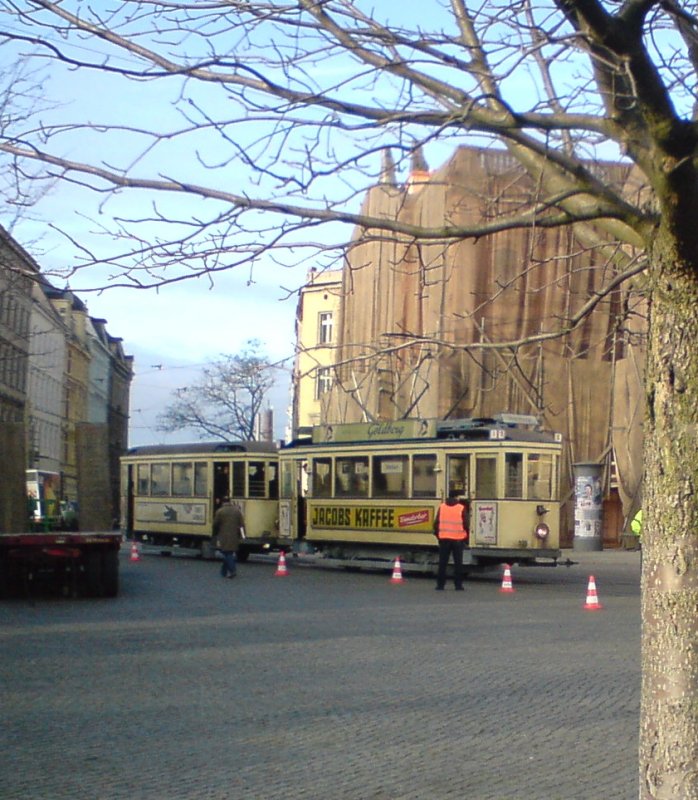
x=221, y=483
x=292, y=500
x=301, y=492
x=458, y=477
x=128, y=500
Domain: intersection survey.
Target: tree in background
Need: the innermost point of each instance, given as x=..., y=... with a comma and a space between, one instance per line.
x=296, y=99
x=227, y=401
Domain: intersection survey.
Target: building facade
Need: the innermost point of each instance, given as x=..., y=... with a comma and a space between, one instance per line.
x=64, y=396
x=120, y=378
x=17, y=273
x=48, y=364
x=317, y=324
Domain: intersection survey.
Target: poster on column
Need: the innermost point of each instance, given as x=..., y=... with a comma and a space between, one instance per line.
x=588, y=506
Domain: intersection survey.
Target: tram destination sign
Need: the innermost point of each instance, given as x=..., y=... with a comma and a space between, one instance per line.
x=375, y=431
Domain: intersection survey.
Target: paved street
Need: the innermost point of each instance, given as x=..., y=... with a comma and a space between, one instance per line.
x=324, y=684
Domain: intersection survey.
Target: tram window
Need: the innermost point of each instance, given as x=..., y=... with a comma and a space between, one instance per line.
x=160, y=480
x=273, y=481
x=237, y=488
x=423, y=476
x=322, y=477
x=143, y=485
x=200, y=479
x=351, y=477
x=181, y=479
x=513, y=475
x=256, y=474
x=390, y=476
x=486, y=477
x=288, y=471
x=458, y=477
x=540, y=476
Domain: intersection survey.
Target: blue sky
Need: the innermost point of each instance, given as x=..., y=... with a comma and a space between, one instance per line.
x=174, y=331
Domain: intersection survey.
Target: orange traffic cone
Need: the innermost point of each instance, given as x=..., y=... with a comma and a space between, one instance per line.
x=135, y=555
x=507, y=585
x=592, y=603
x=281, y=566
x=397, y=572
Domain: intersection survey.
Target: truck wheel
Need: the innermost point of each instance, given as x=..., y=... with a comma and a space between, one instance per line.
x=110, y=573
x=243, y=554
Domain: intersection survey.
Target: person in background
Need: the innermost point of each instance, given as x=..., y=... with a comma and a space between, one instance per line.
x=636, y=526
x=228, y=530
x=451, y=529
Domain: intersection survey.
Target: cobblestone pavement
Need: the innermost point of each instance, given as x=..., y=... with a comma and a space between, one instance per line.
x=324, y=684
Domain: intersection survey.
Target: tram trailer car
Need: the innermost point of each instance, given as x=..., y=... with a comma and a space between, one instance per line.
x=372, y=490
x=169, y=494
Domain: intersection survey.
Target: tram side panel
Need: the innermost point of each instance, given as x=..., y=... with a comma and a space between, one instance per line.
x=189, y=524
x=499, y=531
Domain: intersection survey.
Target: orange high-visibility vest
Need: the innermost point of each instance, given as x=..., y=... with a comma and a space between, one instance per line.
x=451, y=522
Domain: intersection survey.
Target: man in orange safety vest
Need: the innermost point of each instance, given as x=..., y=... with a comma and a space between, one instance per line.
x=451, y=529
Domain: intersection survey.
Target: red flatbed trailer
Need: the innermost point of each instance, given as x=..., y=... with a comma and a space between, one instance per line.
x=78, y=564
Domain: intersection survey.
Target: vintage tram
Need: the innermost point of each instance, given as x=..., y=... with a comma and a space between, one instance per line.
x=370, y=491
x=169, y=493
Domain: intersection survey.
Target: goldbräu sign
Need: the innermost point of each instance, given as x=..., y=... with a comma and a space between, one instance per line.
x=389, y=518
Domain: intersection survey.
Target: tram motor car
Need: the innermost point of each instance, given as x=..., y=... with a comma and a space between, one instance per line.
x=370, y=491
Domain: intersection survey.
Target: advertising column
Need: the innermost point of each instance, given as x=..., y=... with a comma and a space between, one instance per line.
x=588, y=507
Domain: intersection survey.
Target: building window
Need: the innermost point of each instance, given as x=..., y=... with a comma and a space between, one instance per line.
x=326, y=323
x=323, y=382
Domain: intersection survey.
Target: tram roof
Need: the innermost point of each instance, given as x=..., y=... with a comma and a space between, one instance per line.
x=202, y=448
x=502, y=427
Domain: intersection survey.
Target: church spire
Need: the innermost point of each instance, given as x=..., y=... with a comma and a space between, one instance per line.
x=387, y=176
x=419, y=163
x=419, y=173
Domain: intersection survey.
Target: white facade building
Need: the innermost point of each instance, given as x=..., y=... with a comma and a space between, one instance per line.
x=48, y=362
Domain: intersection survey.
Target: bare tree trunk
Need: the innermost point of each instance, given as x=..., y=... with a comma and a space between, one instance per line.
x=669, y=719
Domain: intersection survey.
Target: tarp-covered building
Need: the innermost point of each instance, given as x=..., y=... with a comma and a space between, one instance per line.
x=419, y=319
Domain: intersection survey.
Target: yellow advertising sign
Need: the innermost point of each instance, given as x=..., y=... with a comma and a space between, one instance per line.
x=382, y=518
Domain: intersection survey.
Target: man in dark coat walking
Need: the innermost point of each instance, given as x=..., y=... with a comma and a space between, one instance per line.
x=228, y=530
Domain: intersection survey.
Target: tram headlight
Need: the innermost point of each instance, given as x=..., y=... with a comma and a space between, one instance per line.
x=542, y=531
